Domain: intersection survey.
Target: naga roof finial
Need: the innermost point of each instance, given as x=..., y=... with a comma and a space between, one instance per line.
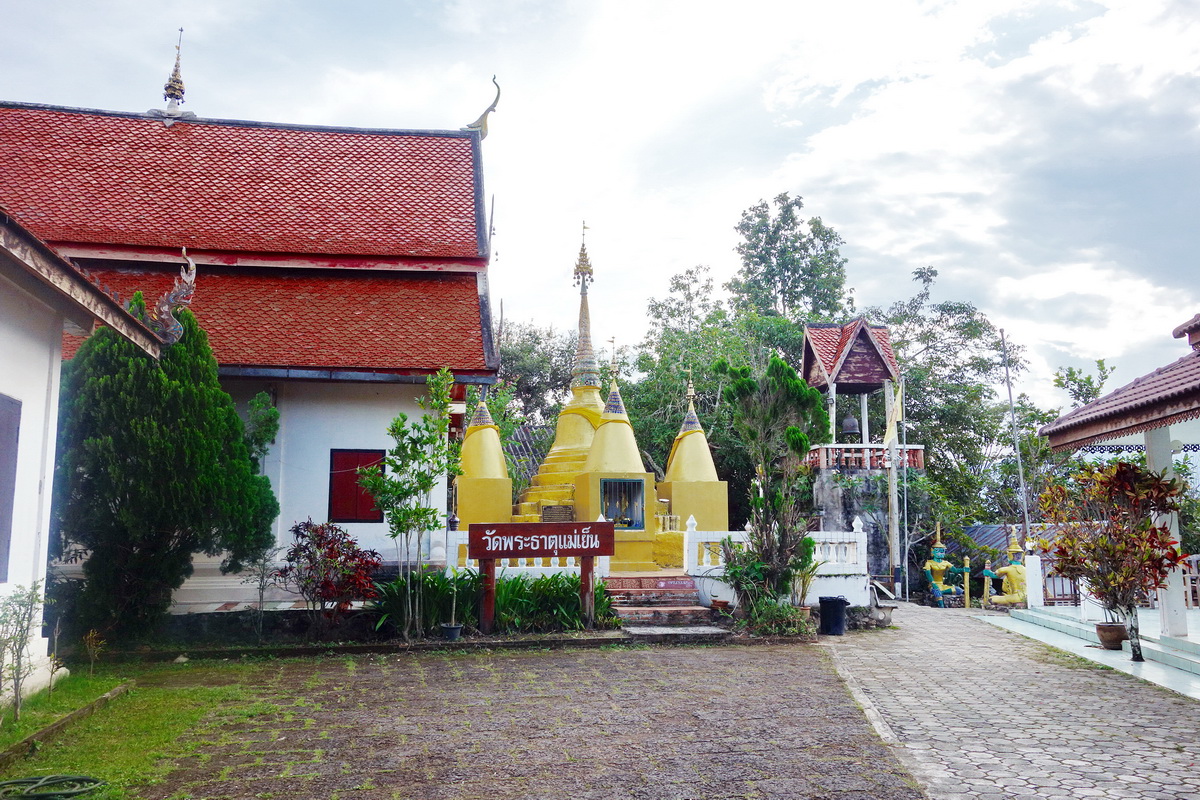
x=481, y=123
x=161, y=319
x=173, y=90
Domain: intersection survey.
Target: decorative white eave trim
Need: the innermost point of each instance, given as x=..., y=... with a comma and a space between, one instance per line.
x=83, y=301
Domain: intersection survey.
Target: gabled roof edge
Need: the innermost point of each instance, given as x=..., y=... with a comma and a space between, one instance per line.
x=243, y=123
x=61, y=277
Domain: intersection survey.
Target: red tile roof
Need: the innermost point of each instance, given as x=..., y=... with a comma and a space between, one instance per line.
x=371, y=322
x=830, y=342
x=84, y=176
x=1167, y=395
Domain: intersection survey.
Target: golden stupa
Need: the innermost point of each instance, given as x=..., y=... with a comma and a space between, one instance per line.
x=594, y=469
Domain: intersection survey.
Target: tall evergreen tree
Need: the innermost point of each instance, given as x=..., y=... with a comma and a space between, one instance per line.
x=153, y=468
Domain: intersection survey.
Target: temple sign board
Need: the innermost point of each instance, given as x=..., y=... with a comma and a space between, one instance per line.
x=488, y=542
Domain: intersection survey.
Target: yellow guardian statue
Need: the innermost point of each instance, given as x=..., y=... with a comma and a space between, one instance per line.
x=1014, y=581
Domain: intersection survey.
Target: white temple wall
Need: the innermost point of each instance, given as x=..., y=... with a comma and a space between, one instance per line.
x=29, y=372
x=314, y=418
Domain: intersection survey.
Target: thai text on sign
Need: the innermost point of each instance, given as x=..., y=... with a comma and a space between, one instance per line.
x=539, y=539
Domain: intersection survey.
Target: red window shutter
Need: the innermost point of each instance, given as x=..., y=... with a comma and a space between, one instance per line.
x=349, y=502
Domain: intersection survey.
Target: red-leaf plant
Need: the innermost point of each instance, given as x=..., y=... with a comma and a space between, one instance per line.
x=329, y=570
x=1112, y=532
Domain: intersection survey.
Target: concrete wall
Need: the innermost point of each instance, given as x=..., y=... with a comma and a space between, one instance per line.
x=29, y=372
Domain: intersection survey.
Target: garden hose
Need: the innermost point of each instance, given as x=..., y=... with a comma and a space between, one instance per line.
x=50, y=787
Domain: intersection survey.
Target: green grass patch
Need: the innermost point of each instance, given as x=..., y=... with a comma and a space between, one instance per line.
x=129, y=742
x=71, y=693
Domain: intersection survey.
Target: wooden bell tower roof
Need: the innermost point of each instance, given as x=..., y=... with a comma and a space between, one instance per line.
x=856, y=356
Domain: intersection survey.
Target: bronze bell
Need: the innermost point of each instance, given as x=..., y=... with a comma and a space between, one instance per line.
x=850, y=426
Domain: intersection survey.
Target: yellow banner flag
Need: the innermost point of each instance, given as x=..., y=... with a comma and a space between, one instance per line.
x=895, y=414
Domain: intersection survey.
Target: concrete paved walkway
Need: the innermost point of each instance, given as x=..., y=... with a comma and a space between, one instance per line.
x=977, y=712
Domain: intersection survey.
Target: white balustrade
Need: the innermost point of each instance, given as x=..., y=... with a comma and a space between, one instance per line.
x=843, y=573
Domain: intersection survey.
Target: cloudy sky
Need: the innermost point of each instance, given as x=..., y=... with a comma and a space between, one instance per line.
x=1044, y=157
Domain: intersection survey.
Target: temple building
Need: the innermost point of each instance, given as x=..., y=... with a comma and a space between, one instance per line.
x=594, y=469
x=337, y=269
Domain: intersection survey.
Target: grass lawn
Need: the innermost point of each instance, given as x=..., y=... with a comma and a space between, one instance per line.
x=71, y=693
x=168, y=700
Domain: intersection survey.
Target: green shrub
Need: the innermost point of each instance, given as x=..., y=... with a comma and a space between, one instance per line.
x=769, y=618
x=546, y=604
x=436, y=589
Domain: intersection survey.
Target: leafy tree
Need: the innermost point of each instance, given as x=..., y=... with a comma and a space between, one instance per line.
x=536, y=362
x=689, y=332
x=1110, y=533
x=261, y=427
x=949, y=354
x=1083, y=388
x=153, y=469
x=18, y=613
x=775, y=416
x=420, y=459
x=790, y=268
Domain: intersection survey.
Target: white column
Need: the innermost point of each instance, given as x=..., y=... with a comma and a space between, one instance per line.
x=889, y=400
x=832, y=412
x=1172, y=615
x=1089, y=609
x=862, y=419
x=1035, y=598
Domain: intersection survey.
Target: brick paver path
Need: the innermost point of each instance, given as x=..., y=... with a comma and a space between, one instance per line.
x=980, y=713
x=760, y=722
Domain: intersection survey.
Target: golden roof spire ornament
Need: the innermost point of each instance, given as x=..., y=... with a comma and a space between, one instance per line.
x=691, y=420
x=583, y=266
x=173, y=90
x=586, y=371
x=481, y=123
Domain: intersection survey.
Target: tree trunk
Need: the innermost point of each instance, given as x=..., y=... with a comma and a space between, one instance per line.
x=1131, y=627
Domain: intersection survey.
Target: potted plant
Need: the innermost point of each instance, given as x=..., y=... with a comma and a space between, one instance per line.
x=1111, y=532
x=452, y=630
x=802, y=581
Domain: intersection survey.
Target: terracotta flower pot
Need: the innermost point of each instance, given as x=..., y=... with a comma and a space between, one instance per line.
x=1111, y=634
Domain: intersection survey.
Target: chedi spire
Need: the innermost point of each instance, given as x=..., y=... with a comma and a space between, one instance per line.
x=173, y=90
x=586, y=371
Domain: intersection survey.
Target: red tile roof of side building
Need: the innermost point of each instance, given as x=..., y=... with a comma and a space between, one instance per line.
x=1166, y=396
x=830, y=340
x=348, y=322
x=107, y=178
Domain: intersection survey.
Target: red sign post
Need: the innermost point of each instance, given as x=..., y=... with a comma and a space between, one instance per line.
x=582, y=540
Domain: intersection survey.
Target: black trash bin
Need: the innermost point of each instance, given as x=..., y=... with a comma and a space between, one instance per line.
x=833, y=616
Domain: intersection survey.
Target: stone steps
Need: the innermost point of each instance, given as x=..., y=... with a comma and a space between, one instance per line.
x=667, y=616
x=653, y=597
x=659, y=599
x=677, y=634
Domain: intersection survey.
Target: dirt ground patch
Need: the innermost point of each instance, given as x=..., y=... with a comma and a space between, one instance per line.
x=669, y=723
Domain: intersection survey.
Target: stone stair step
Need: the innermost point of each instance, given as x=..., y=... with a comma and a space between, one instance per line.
x=671, y=583
x=664, y=615
x=679, y=634
x=653, y=597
